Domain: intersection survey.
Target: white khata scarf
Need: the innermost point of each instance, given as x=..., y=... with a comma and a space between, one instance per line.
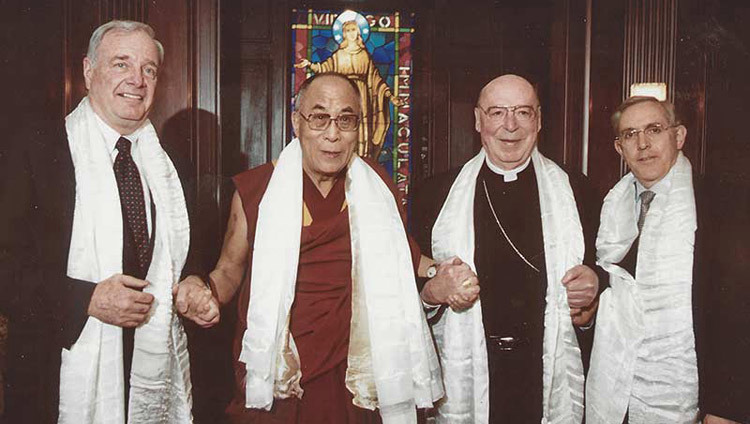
x=91, y=374
x=460, y=336
x=643, y=360
x=392, y=364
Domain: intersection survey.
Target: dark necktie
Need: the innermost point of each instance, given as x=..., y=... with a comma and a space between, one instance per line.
x=131, y=197
x=631, y=258
x=646, y=198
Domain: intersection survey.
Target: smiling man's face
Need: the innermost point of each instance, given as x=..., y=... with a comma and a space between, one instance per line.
x=508, y=142
x=326, y=152
x=122, y=81
x=649, y=158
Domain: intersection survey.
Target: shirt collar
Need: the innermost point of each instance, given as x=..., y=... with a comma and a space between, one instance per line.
x=660, y=188
x=111, y=136
x=509, y=175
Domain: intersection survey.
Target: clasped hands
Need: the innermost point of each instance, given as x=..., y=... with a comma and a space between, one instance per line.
x=119, y=300
x=455, y=285
x=194, y=301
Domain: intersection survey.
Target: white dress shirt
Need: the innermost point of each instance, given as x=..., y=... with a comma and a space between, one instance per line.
x=111, y=136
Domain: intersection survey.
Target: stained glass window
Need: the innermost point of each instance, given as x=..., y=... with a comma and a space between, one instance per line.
x=374, y=50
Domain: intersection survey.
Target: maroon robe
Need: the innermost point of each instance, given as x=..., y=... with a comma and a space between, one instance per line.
x=320, y=314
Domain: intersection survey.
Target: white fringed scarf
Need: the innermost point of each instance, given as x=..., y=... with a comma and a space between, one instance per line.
x=644, y=359
x=392, y=364
x=460, y=336
x=91, y=374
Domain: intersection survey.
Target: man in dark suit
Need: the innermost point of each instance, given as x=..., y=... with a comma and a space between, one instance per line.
x=94, y=233
x=660, y=349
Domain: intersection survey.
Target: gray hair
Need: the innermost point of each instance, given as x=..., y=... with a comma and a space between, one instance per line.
x=306, y=83
x=667, y=106
x=124, y=26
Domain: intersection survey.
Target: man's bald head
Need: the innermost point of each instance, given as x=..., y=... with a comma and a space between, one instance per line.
x=508, y=118
x=507, y=84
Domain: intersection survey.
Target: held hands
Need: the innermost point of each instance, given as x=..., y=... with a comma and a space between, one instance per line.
x=119, y=301
x=195, y=302
x=454, y=284
x=582, y=285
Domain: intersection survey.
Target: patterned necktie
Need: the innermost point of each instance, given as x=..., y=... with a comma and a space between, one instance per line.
x=131, y=197
x=646, y=198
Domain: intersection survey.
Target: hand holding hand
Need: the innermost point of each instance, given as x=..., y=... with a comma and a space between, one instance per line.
x=195, y=302
x=454, y=284
x=465, y=296
x=119, y=300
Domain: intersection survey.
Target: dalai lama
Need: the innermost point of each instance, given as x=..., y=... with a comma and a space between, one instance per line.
x=330, y=327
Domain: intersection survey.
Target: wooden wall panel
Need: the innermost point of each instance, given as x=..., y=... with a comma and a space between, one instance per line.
x=563, y=111
x=438, y=148
x=724, y=35
x=650, y=44
x=691, y=77
x=30, y=63
x=422, y=101
x=134, y=10
x=607, y=44
x=255, y=81
x=255, y=138
x=78, y=28
x=280, y=61
x=256, y=21
x=174, y=90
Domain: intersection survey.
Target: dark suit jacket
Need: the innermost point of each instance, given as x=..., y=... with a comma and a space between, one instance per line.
x=721, y=298
x=47, y=309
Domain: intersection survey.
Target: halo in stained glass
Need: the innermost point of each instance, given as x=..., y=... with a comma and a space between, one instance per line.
x=346, y=16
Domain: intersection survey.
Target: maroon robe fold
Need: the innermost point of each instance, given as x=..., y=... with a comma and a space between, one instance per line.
x=321, y=312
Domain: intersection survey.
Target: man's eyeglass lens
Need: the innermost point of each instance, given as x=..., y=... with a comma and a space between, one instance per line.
x=522, y=113
x=321, y=121
x=651, y=132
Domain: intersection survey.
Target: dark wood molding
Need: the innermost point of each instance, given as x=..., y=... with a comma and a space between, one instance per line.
x=607, y=44
x=562, y=115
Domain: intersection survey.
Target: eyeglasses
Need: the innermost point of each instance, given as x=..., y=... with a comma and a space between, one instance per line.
x=652, y=132
x=522, y=113
x=321, y=121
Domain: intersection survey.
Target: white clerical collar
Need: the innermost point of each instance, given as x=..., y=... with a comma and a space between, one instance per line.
x=509, y=175
x=111, y=135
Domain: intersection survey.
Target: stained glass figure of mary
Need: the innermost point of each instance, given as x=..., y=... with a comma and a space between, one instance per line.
x=353, y=60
